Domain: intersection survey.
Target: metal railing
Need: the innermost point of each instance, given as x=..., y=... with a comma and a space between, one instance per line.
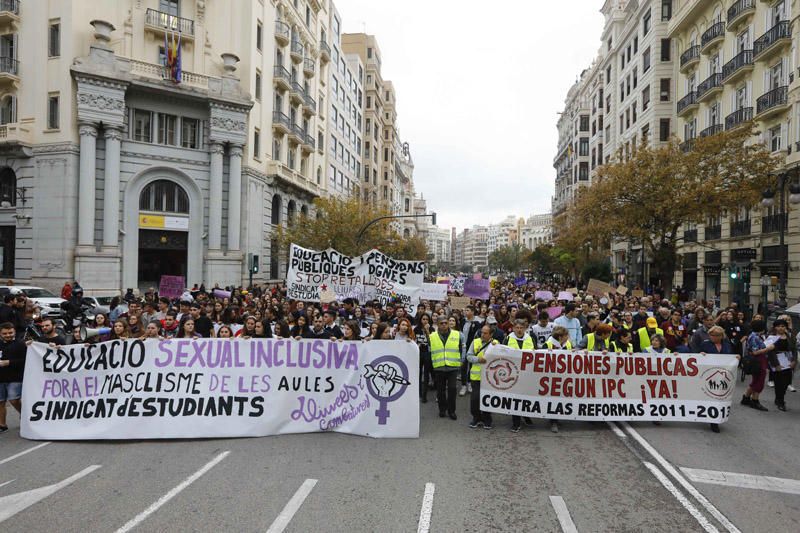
x=9, y=65
x=281, y=72
x=309, y=141
x=713, y=233
x=280, y=118
x=740, y=228
x=712, y=82
x=774, y=98
x=153, y=17
x=739, y=116
x=773, y=223
x=310, y=102
x=9, y=6
x=282, y=30
x=297, y=47
x=711, y=130
x=740, y=8
x=308, y=65
x=324, y=48
x=686, y=101
x=739, y=61
x=716, y=30
x=781, y=30
x=298, y=89
x=692, y=53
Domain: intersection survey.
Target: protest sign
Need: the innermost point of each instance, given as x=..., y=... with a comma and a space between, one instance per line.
x=171, y=286
x=520, y=281
x=543, y=295
x=433, y=292
x=443, y=279
x=573, y=290
x=476, y=288
x=219, y=293
x=555, y=312
x=457, y=285
x=566, y=296
x=598, y=288
x=459, y=302
x=599, y=386
x=622, y=289
x=477, y=275
x=493, y=281
x=371, y=276
x=637, y=293
x=209, y=388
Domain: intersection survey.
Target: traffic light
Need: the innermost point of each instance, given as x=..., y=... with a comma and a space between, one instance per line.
x=735, y=272
x=254, y=264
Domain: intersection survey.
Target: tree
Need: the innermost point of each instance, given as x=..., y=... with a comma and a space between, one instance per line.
x=648, y=197
x=335, y=223
x=508, y=258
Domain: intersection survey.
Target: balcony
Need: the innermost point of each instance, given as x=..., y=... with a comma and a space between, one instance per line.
x=687, y=103
x=9, y=71
x=290, y=177
x=741, y=63
x=690, y=57
x=309, y=105
x=160, y=22
x=776, y=39
x=772, y=102
x=296, y=134
x=712, y=36
x=296, y=52
x=687, y=146
x=324, y=52
x=16, y=133
x=9, y=12
x=740, y=228
x=309, y=68
x=709, y=87
x=308, y=143
x=773, y=223
x=713, y=233
x=711, y=130
x=739, y=13
x=738, y=117
x=282, y=78
x=297, y=93
x=690, y=235
x=280, y=122
x=282, y=33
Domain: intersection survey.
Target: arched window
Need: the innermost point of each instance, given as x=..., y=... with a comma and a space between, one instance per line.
x=164, y=196
x=304, y=211
x=8, y=109
x=291, y=209
x=406, y=233
x=319, y=170
x=8, y=188
x=277, y=205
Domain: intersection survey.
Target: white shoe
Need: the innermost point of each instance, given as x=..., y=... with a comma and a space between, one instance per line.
x=791, y=389
x=469, y=388
x=770, y=383
x=463, y=390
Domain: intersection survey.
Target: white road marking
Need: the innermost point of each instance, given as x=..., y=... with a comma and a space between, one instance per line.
x=427, y=509
x=700, y=517
x=666, y=465
x=564, y=518
x=618, y=432
x=14, y=503
x=24, y=452
x=745, y=481
x=292, y=506
x=141, y=517
x=7, y=483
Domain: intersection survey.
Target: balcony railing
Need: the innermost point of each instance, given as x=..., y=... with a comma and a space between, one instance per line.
x=686, y=101
x=9, y=6
x=690, y=235
x=159, y=19
x=310, y=102
x=692, y=53
x=740, y=228
x=740, y=8
x=713, y=233
x=280, y=118
x=774, y=98
x=297, y=130
x=781, y=30
x=282, y=31
x=324, y=50
x=308, y=140
x=740, y=116
x=711, y=130
x=297, y=48
x=712, y=82
x=308, y=65
x=9, y=65
x=282, y=76
x=715, y=31
x=298, y=89
x=773, y=223
x=739, y=61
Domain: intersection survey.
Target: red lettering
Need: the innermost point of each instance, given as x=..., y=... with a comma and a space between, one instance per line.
x=527, y=358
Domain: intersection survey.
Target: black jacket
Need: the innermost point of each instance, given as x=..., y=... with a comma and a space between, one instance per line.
x=15, y=353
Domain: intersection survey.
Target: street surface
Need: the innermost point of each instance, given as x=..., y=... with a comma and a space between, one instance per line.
x=589, y=477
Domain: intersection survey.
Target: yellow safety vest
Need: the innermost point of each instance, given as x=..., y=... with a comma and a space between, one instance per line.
x=619, y=350
x=644, y=337
x=527, y=343
x=567, y=346
x=445, y=354
x=475, y=369
x=590, y=340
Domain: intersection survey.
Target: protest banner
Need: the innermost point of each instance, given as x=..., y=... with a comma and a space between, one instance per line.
x=209, y=388
x=433, y=292
x=598, y=386
x=566, y=296
x=520, y=281
x=598, y=288
x=554, y=312
x=459, y=302
x=543, y=295
x=371, y=276
x=573, y=290
x=457, y=285
x=171, y=286
x=476, y=288
x=477, y=275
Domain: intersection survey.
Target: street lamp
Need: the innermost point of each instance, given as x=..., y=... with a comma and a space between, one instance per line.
x=768, y=200
x=389, y=217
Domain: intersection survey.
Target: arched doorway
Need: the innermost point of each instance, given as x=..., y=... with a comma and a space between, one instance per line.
x=163, y=232
x=291, y=210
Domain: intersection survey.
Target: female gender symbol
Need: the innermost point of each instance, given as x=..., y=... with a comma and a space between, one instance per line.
x=401, y=379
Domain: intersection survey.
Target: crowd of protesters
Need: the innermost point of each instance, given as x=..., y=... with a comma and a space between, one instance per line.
x=452, y=342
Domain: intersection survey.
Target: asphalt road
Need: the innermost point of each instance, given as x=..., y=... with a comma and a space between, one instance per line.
x=609, y=479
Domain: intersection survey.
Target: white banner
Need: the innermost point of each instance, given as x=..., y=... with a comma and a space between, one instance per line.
x=371, y=276
x=596, y=386
x=434, y=292
x=206, y=388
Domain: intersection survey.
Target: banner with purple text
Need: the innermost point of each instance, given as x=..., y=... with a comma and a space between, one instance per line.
x=597, y=386
x=207, y=388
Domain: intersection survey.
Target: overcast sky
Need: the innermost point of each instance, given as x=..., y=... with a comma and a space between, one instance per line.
x=479, y=88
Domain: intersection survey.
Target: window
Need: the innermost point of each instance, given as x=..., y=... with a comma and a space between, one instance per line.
x=635, y=77
x=164, y=196
x=258, y=85
x=52, y=112
x=664, y=91
x=584, y=123
x=54, y=40
x=666, y=49
x=8, y=109
x=646, y=60
x=663, y=130
x=190, y=133
x=8, y=187
x=635, y=45
x=369, y=53
x=257, y=144
x=167, y=129
x=775, y=138
x=666, y=10
x=621, y=91
x=583, y=147
x=142, y=126
x=369, y=102
x=170, y=7
x=259, y=35
x=646, y=23
x=645, y=98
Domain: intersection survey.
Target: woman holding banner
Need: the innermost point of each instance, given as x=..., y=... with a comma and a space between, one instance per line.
x=717, y=344
x=422, y=333
x=120, y=330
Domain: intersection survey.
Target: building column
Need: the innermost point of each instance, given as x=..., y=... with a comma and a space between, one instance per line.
x=234, y=197
x=111, y=188
x=215, y=198
x=86, y=186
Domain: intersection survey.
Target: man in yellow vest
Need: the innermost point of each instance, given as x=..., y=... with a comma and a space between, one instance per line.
x=476, y=355
x=446, y=350
x=642, y=340
x=624, y=343
x=597, y=341
x=519, y=340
